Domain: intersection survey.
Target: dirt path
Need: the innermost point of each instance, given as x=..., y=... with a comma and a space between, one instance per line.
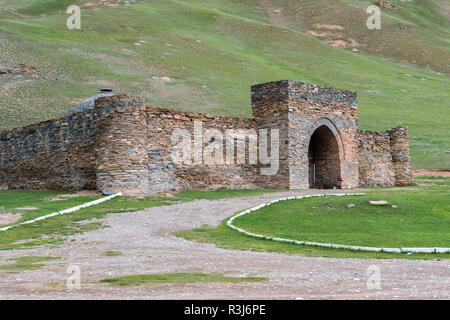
x=432, y=173
x=147, y=246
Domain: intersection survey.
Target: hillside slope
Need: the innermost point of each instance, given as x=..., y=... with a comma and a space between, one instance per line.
x=203, y=55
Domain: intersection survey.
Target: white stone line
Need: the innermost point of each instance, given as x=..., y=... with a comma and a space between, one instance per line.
x=326, y=245
x=73, y=209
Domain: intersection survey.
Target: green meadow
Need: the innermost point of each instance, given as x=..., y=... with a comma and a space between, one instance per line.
x=412, y=218
x=213, y=50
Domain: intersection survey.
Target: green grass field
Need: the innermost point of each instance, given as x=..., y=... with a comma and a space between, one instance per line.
x=176, y=278
x=25, y=263
x=213, y=50
x=421, y=219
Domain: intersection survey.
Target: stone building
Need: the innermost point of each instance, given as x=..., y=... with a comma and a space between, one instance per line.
x=124, y=144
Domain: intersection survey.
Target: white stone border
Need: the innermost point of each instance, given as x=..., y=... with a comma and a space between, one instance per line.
x=326, y=245
x=73, y=209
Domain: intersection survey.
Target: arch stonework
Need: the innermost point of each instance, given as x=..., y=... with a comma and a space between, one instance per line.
x=330, y=125
x=324, y=159
x=309, y=107
x=301, y=130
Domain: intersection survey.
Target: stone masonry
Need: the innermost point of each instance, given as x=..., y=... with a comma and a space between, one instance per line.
x=124, y=144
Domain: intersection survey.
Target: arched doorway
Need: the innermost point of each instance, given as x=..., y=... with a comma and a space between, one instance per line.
x=324, y=160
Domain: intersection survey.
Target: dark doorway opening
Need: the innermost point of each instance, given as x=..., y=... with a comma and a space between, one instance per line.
x=324, y=161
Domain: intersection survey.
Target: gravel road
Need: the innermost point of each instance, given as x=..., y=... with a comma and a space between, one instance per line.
x=147, y=245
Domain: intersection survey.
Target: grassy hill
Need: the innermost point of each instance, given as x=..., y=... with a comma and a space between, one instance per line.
x=203, y=55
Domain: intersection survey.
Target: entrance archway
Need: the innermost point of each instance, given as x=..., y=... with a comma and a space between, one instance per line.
x=324, y=160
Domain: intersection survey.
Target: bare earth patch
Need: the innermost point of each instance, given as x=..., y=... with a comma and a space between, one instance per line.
x=386, y=5
x=328, y=26
x=28, y=208
x=80, y=193
x=107, y=3
x=337, y=43
x=319, y=33
x=8, y=218
x=432, y=173
x=335, y=39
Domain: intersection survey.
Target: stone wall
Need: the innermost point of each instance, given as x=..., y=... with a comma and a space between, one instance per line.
x=135, y=153
x=124, y=144
x=121, y=146
x=61, y=153
x=375, y=160
x=270, y=109
x=384, y=158
x=54, y=154
x=401, y=159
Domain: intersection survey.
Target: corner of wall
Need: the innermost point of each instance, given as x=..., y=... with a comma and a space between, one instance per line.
x=120, y=148
x=374, y=159
x=401, y=159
